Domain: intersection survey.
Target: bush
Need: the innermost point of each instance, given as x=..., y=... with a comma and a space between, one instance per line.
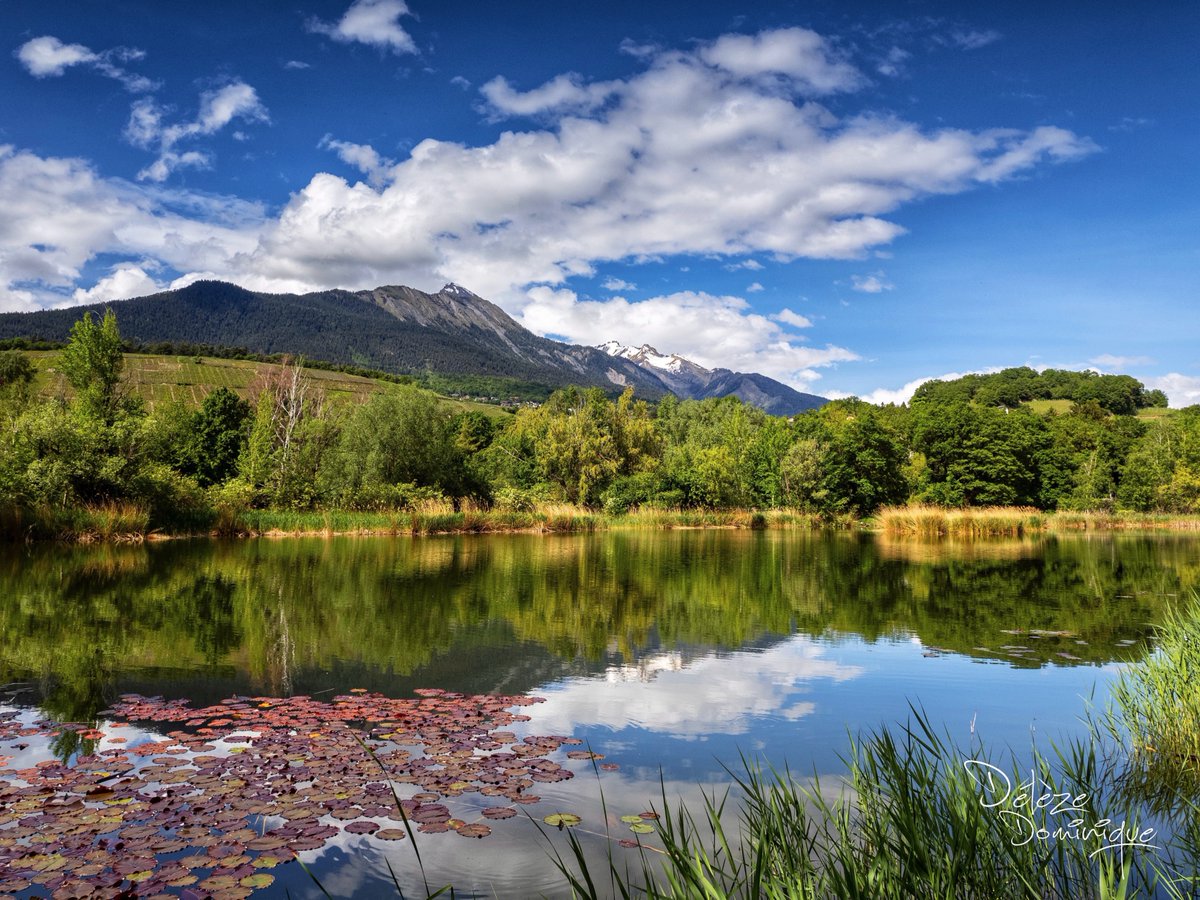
x=170, y=499
x=628, y=491
x=515, y=499
x=378, y=497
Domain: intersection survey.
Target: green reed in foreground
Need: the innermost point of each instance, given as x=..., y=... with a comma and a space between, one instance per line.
x=1157, y=702
x=919, y=816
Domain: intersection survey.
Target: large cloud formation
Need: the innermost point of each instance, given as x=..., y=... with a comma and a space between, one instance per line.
x=725, y=149
x=721, y=150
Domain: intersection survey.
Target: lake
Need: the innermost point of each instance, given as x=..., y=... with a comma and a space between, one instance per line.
x=670, y=654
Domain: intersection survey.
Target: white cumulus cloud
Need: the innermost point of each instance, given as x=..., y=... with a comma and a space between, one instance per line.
x=1181, y=390
x=685, y=157
x=60, y=214
x=124, y=281
x=362, y=156
x=48, y=57
x=875, y=283
x=563, y=93
x=803, y=56
x=372, y=22
x=752, y=265
x=707, y=329
x=236, y=100
x=903, y=394
x=789, y=317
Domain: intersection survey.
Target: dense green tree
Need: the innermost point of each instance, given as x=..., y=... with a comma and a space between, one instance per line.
x=980, y=456
x=92, y=363
x=862, y=467
x=16, y=378
x=399, y=437
x=1082, y=469
x=15, y=368
x=219, y=432
x=800, y=475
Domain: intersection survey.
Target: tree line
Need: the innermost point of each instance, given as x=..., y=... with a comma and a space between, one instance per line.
x=970, y=442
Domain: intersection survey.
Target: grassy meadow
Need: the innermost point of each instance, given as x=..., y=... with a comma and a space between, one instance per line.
x=158, y=379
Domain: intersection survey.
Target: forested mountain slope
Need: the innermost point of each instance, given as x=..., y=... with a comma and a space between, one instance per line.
x=395, y=329
x=453, y=334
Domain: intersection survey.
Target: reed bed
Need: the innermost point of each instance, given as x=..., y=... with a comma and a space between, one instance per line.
x=115, y=522
x=908, y=821
x=927, y=521
x=440, y=517
x=132, y=521
x=1158, y=703
x=657, y=518
x=939, y=521
x=918, y=816
x=1122, y=521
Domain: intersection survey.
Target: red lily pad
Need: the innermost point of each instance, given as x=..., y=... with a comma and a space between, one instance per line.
x=499, y=812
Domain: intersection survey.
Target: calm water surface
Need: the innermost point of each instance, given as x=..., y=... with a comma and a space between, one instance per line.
x=672, y=653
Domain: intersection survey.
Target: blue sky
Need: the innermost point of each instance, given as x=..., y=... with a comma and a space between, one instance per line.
x=847, y=196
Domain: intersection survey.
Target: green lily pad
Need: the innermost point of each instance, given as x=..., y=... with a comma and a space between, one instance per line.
x=562, y=820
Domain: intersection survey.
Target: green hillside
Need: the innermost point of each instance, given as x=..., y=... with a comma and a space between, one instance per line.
x=158, y=379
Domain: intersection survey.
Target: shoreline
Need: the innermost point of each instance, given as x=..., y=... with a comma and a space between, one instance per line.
x=907, y=523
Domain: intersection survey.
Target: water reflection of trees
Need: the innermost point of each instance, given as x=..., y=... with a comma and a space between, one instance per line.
x=262, y=612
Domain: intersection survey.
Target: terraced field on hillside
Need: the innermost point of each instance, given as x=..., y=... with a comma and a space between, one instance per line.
x=163, y=379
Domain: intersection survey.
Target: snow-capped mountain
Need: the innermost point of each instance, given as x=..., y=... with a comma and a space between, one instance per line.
x=647, y=356
x=688, y=380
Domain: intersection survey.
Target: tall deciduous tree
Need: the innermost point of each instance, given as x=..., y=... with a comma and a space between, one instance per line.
x=219, y=433
x=92, y=363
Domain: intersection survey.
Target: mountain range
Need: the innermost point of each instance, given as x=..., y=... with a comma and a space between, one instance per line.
x=684, y=378
x=399, y=329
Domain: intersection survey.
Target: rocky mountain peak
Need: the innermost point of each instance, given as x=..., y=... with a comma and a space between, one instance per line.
x=457, y=290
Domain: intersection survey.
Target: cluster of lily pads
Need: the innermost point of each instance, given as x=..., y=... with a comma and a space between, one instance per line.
x=242, y=786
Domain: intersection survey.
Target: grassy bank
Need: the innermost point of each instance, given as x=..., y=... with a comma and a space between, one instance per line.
x=1007, y=521
x=920, y=816
x=131, y=521
x=443, y=518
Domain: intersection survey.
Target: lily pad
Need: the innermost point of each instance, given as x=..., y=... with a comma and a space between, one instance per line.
x=584, y=754
x=562, y=820
x=499, y=812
